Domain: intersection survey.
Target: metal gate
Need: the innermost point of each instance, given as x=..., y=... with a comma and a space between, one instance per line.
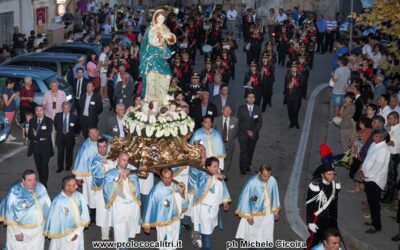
x=6, y=27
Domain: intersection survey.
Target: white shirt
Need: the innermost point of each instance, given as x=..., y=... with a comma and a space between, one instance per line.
x=227, y=119
x=107, y=28
x=367, y=50
x=395, y=137
x=121, y=128
x=66, y=116
x=376, y=164
x=216, y=89
x=384, y=112
x=87, y=103
x=79, y=83
x=223, y=101
x=397, y=109
x=103, y=60
x=280, y=18
x=231, y=15
x=250, y=108
x=331, y=25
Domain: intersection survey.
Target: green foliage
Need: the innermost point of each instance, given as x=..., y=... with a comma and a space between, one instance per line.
x=385, y=16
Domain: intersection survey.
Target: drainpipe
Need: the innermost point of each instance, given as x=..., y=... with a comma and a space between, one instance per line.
x=20, y=16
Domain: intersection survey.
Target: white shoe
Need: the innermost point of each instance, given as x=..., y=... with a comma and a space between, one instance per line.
x=11, y=138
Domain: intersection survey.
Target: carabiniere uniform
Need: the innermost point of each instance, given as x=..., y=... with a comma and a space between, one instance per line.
x=321, y=208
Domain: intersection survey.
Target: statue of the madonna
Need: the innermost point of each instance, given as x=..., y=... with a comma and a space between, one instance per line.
x=154, y=53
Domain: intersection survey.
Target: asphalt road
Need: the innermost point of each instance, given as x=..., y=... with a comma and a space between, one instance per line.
x=277, y=146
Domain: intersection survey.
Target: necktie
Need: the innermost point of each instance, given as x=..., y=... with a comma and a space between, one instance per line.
x=78, y=91
x=65, y=125
x=250, y=111
x=38, y=125
x=225, y=132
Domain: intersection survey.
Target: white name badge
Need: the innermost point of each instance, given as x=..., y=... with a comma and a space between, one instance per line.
x=71, y=124
x=115, y=129
x=44, y=127
x=255, y=116
x=232, y=126
x=209, y=112
x=92, y=103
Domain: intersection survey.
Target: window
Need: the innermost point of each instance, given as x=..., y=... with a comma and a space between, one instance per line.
x=64, y=68
x=49, y=65
x=2, y=82
x=19, y=63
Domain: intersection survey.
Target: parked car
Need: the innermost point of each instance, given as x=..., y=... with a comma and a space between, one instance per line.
x=57, y=62
x=75, y=48
x=5, y=127
x=106, y=38
x=41, y=79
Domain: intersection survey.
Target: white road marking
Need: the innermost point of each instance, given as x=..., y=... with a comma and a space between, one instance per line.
x=292, y=194
x=12, y=153
x=14, y=143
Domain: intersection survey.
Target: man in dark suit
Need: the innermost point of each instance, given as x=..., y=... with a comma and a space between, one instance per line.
x=201, y=109
x=79, y=88
x=227, y=126
x=124, y=91
x=114, y=125
x=213, y=88
x=65, y=123
x=91, y=107
x=40, y=145
x=250, y=122
x=222, y=99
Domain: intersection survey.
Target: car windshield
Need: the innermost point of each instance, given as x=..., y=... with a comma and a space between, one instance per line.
x=62, y=84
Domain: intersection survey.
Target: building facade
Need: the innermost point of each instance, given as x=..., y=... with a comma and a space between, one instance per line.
x=27, y=15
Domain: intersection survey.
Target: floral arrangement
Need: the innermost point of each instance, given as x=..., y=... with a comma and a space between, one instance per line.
x=154, y=122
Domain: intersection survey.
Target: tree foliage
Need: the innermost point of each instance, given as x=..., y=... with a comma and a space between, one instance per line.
x=385, y=16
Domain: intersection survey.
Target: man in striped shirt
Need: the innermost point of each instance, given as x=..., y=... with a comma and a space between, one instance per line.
x=52, y=103
x=331, y=28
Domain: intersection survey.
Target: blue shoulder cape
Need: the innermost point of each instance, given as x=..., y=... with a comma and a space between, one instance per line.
x=252, y=197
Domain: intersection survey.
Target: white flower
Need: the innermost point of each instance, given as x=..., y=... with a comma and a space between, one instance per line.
x=139, y=130
x=149, y=131
x=167, y=132
x=132, y=126
x=191, y=125
x=169, y=119
x=183, y=129
x=175, y=116
x=183, y=114
x=152, y=119
x=144, y=118
x=159, y=132
x=174, y=131
x=161, y=119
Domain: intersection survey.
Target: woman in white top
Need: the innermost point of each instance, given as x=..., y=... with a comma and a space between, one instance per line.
x=377, y=56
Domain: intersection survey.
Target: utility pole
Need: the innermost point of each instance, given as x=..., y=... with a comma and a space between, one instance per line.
x=351, y=21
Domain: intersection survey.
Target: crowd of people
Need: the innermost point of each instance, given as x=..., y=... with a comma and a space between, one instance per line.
x=112, y=196
x=366, y=110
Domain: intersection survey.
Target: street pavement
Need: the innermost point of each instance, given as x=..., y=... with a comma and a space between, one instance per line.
x=276, y=147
